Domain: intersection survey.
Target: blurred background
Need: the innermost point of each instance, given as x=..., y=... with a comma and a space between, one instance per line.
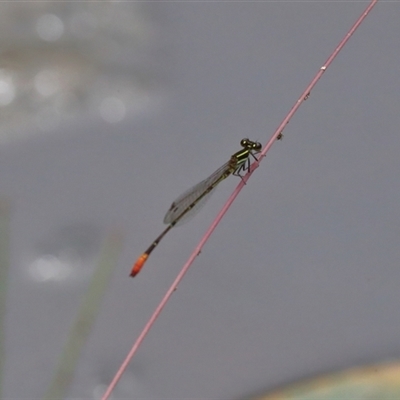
x=109, y=110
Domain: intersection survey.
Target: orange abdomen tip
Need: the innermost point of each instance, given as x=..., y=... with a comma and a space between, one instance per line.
x=139, y=264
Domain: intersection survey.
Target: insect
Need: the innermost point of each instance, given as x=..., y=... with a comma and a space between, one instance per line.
x=190, y=202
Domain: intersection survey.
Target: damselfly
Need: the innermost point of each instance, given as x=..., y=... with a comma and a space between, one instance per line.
x=187, y=205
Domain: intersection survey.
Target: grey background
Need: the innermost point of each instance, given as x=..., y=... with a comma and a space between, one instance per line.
x=302, y=275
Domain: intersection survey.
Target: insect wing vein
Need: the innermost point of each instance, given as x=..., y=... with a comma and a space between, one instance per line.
x=185, y=200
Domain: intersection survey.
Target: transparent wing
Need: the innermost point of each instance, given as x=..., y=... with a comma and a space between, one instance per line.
x=193, y=197
x=195, y=209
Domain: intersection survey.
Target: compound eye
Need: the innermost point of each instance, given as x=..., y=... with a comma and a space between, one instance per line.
x=244, y=142
x=257, y=146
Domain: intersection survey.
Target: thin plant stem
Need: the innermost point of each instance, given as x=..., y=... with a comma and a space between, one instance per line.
x=230, y=200
x=85, y=319
x=4, y=268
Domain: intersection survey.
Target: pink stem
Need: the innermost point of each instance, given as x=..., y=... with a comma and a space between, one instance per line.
x=232, y=197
